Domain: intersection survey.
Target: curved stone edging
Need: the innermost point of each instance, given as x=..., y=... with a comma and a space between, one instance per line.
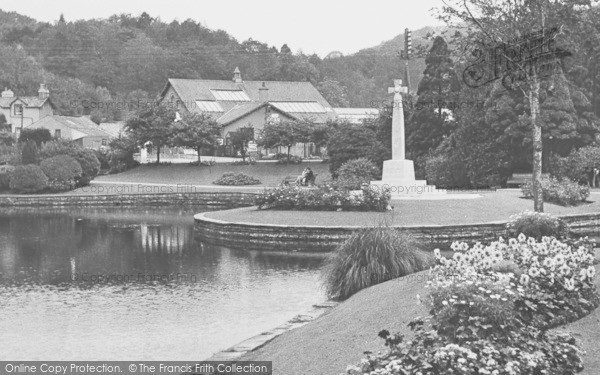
x=213, y=199
x=262, y=339
x=324, y=238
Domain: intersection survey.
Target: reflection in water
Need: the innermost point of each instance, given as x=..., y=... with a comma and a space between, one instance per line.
x=108, y=284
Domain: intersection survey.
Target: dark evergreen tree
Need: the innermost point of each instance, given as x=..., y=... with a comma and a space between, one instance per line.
x=29, y=153
x=436, y=95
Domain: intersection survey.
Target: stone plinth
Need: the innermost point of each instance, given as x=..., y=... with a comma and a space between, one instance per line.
x=399, y=177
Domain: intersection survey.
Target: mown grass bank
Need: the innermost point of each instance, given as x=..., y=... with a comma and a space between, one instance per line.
x=327, y=345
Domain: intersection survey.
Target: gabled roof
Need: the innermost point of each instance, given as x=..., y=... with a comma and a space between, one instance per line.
x=30, y=101
x=190, y=90
x=34, y=101
x=239, y=111
x=81, y=126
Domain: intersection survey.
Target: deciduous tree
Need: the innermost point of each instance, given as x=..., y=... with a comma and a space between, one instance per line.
x=153, y=123
x=196, y=131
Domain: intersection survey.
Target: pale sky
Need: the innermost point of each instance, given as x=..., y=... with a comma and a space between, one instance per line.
x=310, y=25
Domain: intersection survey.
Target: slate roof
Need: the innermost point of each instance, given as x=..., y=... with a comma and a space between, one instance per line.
x=238, y=111
x=113, y=128
x=30, y=101
x=82, y=126
x=356, y=115
x=192, y=90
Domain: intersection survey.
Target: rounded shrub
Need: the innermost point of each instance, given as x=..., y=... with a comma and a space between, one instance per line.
x=536, y=225
x=62, y=172
x=353, y=173
x=371, y=256
x=28, y=179
x=87, y=159
x=90, y=165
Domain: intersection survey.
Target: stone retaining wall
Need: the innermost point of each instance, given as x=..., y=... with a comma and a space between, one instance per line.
x=321, y=239
x=211, y=199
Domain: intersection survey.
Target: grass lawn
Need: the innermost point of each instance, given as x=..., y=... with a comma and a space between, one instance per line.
x=339, y=338
x=493, y=206
x=270, y=174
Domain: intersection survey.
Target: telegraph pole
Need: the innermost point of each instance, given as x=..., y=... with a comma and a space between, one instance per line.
x=407, y=55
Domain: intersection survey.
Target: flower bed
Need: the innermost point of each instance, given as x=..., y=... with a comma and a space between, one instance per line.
x=323, y=198
x=561, y=191
x=491, y=308
x=230, y=178
x=536, y=225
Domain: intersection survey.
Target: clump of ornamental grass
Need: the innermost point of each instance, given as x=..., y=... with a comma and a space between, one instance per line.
x=371, y=256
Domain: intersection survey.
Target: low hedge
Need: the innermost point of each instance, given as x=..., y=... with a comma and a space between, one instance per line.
x=323, y=198
x=230, y=178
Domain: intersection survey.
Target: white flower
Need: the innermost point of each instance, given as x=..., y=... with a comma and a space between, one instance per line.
x=559, y=259
x=521, y=237
x=437, y=253
x=524, y=280
x=569, y=284
x=564, y=270
x=534, y=272
x=591, y=272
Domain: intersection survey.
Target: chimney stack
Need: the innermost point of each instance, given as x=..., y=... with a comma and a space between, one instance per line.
x=237, y=76
x=7, y=93
x=263, y=93
x=43, y=92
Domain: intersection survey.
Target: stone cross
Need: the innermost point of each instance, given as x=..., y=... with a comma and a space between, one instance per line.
x=398, y=139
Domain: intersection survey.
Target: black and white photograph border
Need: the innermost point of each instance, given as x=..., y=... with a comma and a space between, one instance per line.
x=309, y=188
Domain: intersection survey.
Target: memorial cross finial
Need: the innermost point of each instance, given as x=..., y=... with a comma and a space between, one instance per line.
x=398, y=88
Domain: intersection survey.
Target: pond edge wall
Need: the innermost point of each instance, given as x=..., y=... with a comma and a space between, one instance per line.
x=273, y=237
x=211, y=199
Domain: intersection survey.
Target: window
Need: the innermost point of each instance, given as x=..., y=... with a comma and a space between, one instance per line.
x=103, y=142
x=57, y=133
x=209, y=106
x=230, y=95
x=299, y=107
x=18, y=109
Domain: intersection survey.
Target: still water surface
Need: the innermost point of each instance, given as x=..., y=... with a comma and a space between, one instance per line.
x=134, y=284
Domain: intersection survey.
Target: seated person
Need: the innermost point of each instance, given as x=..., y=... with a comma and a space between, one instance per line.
x=305, y=178
x=309, y=177
x=300, y=179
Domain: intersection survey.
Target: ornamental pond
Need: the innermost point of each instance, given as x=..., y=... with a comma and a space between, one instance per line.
x=119, y=283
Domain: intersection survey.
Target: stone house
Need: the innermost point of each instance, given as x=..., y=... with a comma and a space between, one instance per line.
x=238, y=103
x=82, y=130
x=22, y=111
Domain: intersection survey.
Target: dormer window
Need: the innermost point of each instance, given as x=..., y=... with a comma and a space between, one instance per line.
x=18, y=109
